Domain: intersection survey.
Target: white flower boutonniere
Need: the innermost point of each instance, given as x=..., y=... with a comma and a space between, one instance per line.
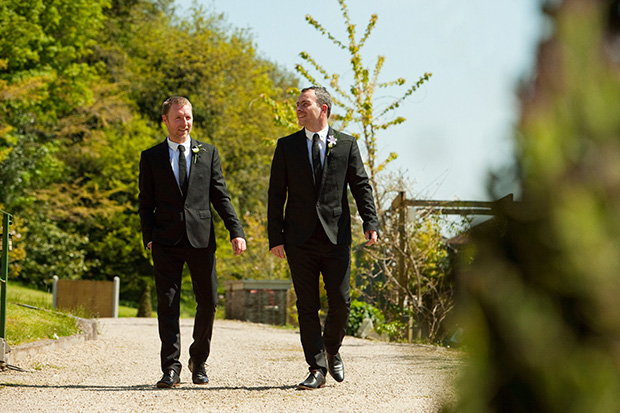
x=196, y=149
x=331, y=142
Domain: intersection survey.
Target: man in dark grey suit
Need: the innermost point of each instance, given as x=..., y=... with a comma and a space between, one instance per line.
x=309, y=223
x=180, y=179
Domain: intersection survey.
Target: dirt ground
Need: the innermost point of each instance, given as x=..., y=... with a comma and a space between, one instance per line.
x=252, y=367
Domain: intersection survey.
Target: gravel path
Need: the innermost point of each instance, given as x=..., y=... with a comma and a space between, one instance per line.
x=252, y=367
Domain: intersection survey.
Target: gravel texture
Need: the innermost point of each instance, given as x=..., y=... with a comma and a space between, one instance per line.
x=252, y=367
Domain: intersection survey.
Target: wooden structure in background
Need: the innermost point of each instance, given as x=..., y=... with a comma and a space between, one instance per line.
x=257, y=301
x=99, y=298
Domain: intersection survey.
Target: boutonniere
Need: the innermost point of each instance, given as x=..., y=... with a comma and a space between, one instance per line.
x=196, y=149
x=331, y=142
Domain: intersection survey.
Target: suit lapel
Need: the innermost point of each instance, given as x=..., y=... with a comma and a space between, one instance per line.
x=193, y=156
x=330, y=132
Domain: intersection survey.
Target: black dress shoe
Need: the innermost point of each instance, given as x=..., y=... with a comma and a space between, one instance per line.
x=315, y=380
x=335, y=366
x=170, y=379
x=199, y=374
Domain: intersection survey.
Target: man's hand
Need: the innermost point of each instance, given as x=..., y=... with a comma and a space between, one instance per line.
x=278, y=251
x=150, y=245
x=371, y=236
x=238, y=245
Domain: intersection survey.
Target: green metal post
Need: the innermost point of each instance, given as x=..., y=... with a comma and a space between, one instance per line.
x=4, y=271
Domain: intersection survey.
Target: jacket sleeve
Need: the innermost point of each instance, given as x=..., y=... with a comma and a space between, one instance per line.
x=146, y=201
x=276, y=198
x=221, y=200
x=361, y=189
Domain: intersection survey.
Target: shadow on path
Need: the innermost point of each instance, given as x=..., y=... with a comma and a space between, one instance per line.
x=144, y=387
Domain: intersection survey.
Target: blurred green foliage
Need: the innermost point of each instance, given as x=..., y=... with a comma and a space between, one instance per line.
x=540, y=299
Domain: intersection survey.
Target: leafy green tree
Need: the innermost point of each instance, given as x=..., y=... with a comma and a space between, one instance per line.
x=43, y=77
x=52, y=251
x=75, y=117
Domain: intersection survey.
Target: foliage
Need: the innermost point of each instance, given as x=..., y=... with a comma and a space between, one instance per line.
x=255, y=263
x=361, y=311
x=42, y=72
x=395, y=330
x=410, y=277
x=540, y=298
x=50, y=251
x=81, y=85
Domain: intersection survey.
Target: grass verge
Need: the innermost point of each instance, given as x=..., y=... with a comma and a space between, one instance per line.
x=31, y=317
x=25, y=325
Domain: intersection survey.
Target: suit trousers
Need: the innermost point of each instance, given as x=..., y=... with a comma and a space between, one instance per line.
x=307, y=261
x=168, y=262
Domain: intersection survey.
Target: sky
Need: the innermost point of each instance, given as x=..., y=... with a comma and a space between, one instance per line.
x=460, y=124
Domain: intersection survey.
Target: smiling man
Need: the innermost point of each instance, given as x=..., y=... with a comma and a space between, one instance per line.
x=180, y=179
x=309, y=223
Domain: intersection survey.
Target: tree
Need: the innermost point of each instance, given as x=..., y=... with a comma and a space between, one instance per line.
x=69, y=170
x=43, y=77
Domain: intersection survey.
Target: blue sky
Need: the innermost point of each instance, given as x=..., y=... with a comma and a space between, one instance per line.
x=460, y=124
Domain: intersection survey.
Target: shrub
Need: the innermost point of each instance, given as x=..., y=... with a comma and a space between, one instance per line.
x=360, y=311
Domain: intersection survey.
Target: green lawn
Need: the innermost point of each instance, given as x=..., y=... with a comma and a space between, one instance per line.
x=30, y=316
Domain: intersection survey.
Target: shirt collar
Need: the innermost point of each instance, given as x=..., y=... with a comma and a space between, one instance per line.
x=322, y=134
x=173, y=145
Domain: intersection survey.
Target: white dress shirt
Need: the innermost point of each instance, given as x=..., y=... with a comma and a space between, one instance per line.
x=174, y=156
x=322, y=140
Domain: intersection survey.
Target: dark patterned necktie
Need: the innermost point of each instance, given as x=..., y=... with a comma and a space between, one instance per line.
x=182, y=169
x=316, y=161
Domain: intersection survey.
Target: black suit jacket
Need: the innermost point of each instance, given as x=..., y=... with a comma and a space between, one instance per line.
x=294, y=206
x=165, y=215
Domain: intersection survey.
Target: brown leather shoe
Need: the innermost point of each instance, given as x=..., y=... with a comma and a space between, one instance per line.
x=335, y=366
x=199, y=374
x=315, y=380
x=170, y=379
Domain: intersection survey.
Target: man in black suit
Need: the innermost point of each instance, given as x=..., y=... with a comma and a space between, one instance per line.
x=310, y=172
x=180, y=179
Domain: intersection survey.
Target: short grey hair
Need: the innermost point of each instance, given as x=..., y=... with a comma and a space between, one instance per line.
x=322, y=96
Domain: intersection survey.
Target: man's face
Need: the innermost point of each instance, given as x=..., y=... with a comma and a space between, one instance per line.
x=179, y=122
x=309, y=111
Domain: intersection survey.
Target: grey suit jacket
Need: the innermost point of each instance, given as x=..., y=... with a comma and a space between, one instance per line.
x=165, y=215
x=294, y=207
